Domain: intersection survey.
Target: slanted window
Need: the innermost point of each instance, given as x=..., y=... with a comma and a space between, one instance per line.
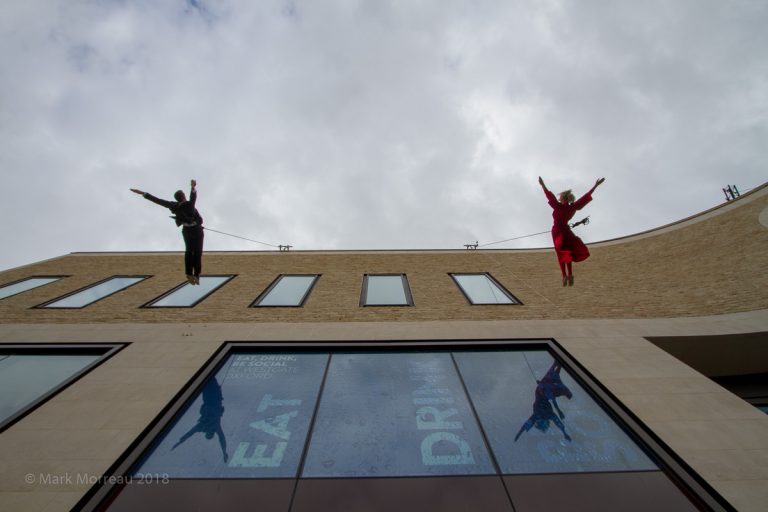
x=95, y=292
x=32, y=374
x=287, y=290
x=483, y=289
x=23, y=285
x=336, y=428
x=386, y=290
x=188, y=295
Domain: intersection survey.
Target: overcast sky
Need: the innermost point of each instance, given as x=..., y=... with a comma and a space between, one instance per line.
x=370, y=124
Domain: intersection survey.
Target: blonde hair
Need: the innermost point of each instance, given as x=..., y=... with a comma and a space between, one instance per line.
x=567, y=195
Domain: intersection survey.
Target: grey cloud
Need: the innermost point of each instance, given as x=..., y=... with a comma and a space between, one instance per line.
x=371, y=124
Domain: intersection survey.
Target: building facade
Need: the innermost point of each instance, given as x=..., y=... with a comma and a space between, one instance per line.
x=380, y=380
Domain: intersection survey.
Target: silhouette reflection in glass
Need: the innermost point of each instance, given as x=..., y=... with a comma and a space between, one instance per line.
x=209, y=422
x=547, y=390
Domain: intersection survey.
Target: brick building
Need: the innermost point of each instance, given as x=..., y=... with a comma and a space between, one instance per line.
x=274, y=375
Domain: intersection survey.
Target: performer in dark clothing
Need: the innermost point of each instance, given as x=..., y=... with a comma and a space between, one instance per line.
x=187, y=216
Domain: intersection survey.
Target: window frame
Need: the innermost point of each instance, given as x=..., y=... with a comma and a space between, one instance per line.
x=515, y=300
x=698, y=490
x=58, y=278
x=406, y=290
x=149, y=305
x=46, y=304
x=263, y=295
x=108, y=350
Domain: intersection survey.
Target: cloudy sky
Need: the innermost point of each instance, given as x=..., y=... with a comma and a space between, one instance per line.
x=354, y=124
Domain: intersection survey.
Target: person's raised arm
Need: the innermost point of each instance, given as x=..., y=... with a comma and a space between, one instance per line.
x=222, y=443
x=525, y=428
x=197, y=428
x=583, y=200
x=550, y=196
x=150, y=197
x=193, y=191
x=597, y=184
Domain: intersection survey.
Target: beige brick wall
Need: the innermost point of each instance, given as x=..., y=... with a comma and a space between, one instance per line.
x=713, y=264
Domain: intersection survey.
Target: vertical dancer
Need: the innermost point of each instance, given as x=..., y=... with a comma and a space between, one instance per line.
x=568, y=247
x=186, y=215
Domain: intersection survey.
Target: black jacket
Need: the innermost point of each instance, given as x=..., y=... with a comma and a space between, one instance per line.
x=184, y=212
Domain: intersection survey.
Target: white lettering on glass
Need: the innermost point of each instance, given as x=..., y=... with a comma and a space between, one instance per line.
x=430, y=394
x=430, y=459
x=258, y=459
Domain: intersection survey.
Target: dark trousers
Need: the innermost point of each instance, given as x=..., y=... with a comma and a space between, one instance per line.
x=193, y=257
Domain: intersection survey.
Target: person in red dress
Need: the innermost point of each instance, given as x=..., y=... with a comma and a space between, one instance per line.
x=568, y=247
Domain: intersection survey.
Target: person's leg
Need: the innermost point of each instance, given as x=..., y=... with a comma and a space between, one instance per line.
x=188, y=247
x=570, y=274
x=197, y=264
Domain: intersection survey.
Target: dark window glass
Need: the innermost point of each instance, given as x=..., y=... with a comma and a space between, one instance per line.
x=26, y=377
x=188, y=295
x=250, y=420
x=27, y=284
x=483, y=289
x=288, y=290
x=339, y=431
x=539, y=420
x=386, y=290
x=93, y=293
x=395, y=414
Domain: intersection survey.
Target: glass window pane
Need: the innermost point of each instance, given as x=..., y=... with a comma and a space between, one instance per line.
x=249, y=421
x=393, y=414
x=289, y=291
x=385, y=290
x=27, y=284
x=25, y=377
x=539, y=420
x=189, y=294
x=94, y=293
x=481, y=289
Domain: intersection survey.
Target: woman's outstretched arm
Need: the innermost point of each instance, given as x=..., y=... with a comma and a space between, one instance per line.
x=597, y=184
x=551, y=199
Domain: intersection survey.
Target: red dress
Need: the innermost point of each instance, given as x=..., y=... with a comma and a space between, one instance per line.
x=568, y=246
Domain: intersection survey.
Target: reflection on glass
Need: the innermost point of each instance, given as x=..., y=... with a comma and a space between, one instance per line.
x=516, y=397
x=27, y=284
x=209, y=422
x=288, y=291
x=545, y=397
x=189, y=295
x=26, y=377
x=94, y=293
x=385, y=291
x=391, y=414
x=254, y=415
x=481, y=289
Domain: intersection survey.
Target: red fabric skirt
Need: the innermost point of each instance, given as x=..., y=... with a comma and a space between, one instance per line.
x=568, y=247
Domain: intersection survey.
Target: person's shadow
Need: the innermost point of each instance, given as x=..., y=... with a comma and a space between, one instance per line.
x=547, y=390
x=209, y=422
